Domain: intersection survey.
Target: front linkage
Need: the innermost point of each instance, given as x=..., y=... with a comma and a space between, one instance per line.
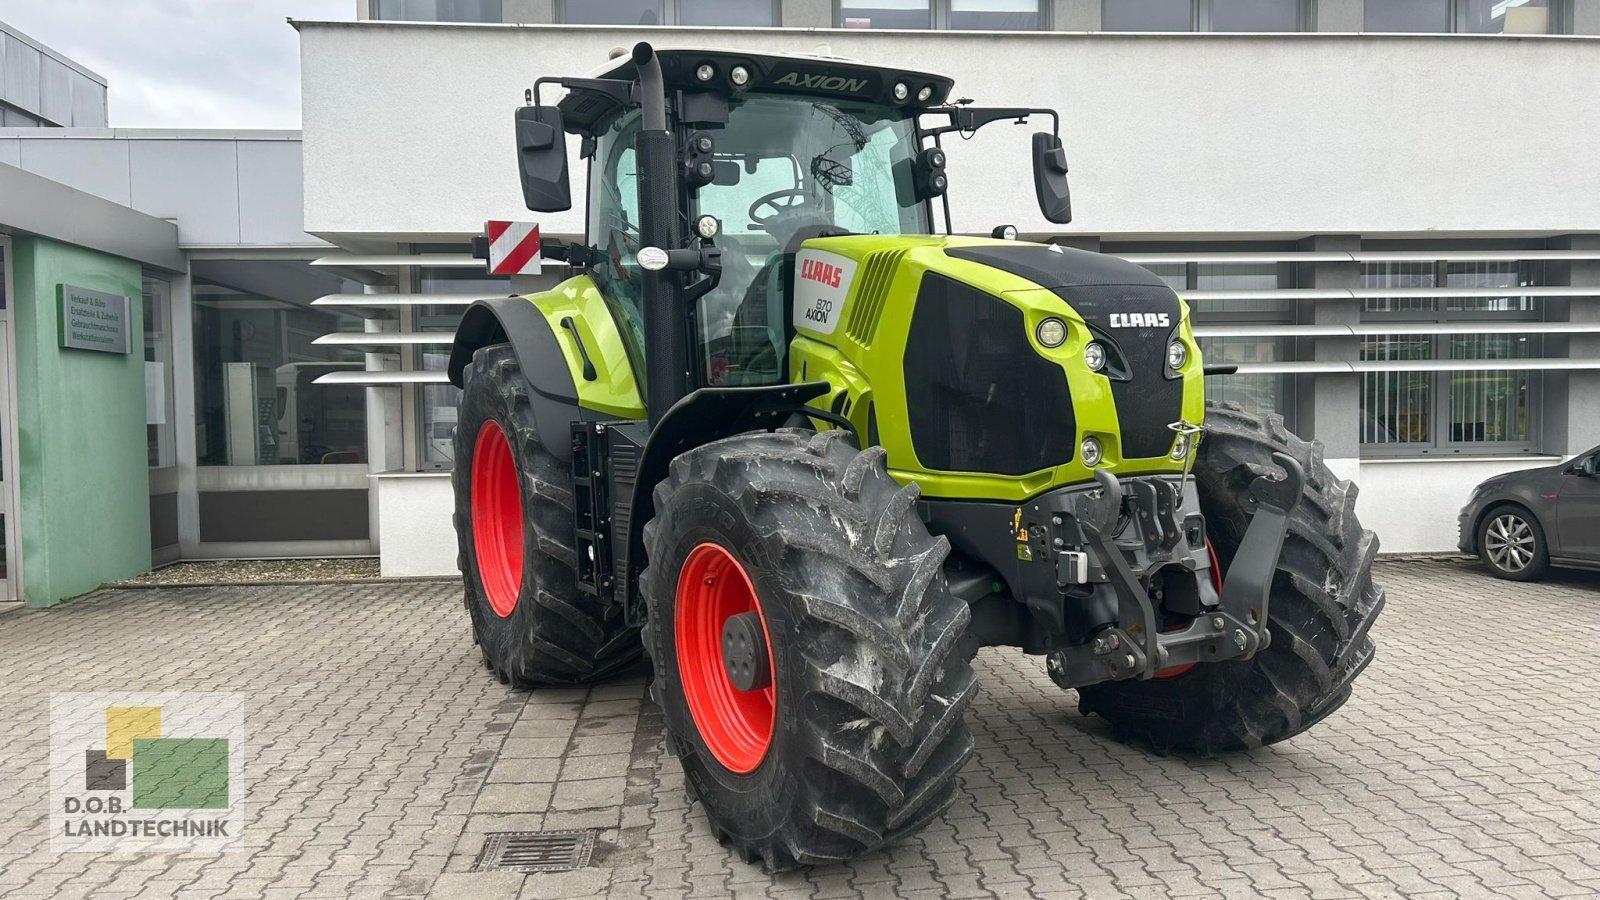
x=1135, y=647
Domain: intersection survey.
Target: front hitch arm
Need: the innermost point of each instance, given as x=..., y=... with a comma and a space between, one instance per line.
x=1248, y=585
x=1135, y=613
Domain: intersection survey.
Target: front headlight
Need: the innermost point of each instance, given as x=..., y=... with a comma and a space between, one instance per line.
x=1177, y=355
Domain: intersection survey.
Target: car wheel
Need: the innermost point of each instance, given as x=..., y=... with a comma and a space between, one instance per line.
x=1512, y=545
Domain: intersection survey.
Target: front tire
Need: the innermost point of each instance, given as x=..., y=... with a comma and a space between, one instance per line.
x=514, y=524
x=1323, y=604
x=1511, y=544
x=858, y=738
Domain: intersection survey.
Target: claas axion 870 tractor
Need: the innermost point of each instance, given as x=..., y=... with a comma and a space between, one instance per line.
x=810, y=456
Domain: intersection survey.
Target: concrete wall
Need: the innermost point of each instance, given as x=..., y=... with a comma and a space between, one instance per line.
x=1412, y=503
x=81, y=463
x=415, y=536
x=222, y=188
x=1169, y=134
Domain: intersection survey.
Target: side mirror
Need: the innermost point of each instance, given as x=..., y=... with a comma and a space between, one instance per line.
x=1050, y=178
x=1587, y=467
x=542, y=159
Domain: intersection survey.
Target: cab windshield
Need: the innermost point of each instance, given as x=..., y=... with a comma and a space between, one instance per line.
x=787, y=168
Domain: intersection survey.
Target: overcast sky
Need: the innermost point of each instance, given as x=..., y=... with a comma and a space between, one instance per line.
x=183, y=63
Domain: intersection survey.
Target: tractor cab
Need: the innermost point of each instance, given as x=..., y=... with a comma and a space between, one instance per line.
x=775, y=150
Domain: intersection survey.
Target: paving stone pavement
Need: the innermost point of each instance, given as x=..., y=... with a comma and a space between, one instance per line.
x=381, y=753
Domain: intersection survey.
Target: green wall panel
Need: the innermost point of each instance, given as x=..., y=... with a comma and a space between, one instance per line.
x=81, y=466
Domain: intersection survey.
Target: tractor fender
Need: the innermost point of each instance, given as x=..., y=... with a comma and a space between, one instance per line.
x=517, y=321
x=706, y=415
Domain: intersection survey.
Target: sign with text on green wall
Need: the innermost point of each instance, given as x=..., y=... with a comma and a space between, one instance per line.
x=93, y=320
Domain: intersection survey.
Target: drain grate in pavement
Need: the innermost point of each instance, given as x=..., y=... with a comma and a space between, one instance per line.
x=535, y=851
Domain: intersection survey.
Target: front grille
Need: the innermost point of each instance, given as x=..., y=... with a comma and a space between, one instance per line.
x=979, y=399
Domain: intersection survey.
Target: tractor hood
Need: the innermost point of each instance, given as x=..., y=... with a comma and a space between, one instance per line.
x=981, y=351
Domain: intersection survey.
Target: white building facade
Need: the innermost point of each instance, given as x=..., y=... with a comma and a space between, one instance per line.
x=1394, y=235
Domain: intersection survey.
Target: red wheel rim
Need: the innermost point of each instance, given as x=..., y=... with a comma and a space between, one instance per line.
x=735, y=725
x=497, y=518
x=1216, y=582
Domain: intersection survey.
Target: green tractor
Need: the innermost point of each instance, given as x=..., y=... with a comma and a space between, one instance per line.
x=810, y=456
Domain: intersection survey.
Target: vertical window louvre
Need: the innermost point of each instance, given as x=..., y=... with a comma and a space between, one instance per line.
x=1397, y=407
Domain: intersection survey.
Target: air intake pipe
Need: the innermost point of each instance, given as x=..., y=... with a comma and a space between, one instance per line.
x=666, y=313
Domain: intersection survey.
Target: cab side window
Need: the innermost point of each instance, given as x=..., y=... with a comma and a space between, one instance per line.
x=614, y=229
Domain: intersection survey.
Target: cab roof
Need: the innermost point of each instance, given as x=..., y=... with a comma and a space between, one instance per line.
x=769, y=73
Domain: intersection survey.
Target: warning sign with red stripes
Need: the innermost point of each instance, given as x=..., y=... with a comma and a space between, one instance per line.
x=513, y=248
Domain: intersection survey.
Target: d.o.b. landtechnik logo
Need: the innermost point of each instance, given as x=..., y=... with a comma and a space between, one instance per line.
x=145, y=771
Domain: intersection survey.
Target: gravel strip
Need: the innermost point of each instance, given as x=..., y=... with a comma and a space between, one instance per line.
x=257, y=571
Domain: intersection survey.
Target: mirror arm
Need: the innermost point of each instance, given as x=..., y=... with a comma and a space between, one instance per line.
x=967, y=119
x=623, y=93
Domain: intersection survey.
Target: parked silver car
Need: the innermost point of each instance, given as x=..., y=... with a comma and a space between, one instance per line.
x=1522, y=523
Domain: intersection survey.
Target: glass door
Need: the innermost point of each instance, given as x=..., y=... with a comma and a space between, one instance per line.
x=10, y=546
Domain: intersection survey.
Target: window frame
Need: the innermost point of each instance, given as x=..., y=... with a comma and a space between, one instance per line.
x=1440, y=442
x=939, y=16
x=1200, y=19
x=668, y=12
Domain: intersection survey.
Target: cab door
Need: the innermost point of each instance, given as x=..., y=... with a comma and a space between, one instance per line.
x=1578, y=509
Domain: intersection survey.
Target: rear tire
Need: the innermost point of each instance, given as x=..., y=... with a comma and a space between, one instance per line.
x=1323, y=605
x=863, y=733
x=1512, y=545
x=514, y=524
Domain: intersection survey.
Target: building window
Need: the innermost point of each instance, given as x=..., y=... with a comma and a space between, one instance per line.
x=1467, y=16
x=1255, y=15
x=957, y=15
x=1408, y=15
x=437, y=10
x=1486, y=410
x=257, y=362
x=994, y=15
x=612, y=12
x=745, y=13
x=158, y=370
x=1148, y=15
x=1260, y=393
x=885, y=14
x=1206, y=15
x=736, y=13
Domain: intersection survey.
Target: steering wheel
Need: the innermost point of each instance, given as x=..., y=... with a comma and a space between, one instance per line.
x=799, y=198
